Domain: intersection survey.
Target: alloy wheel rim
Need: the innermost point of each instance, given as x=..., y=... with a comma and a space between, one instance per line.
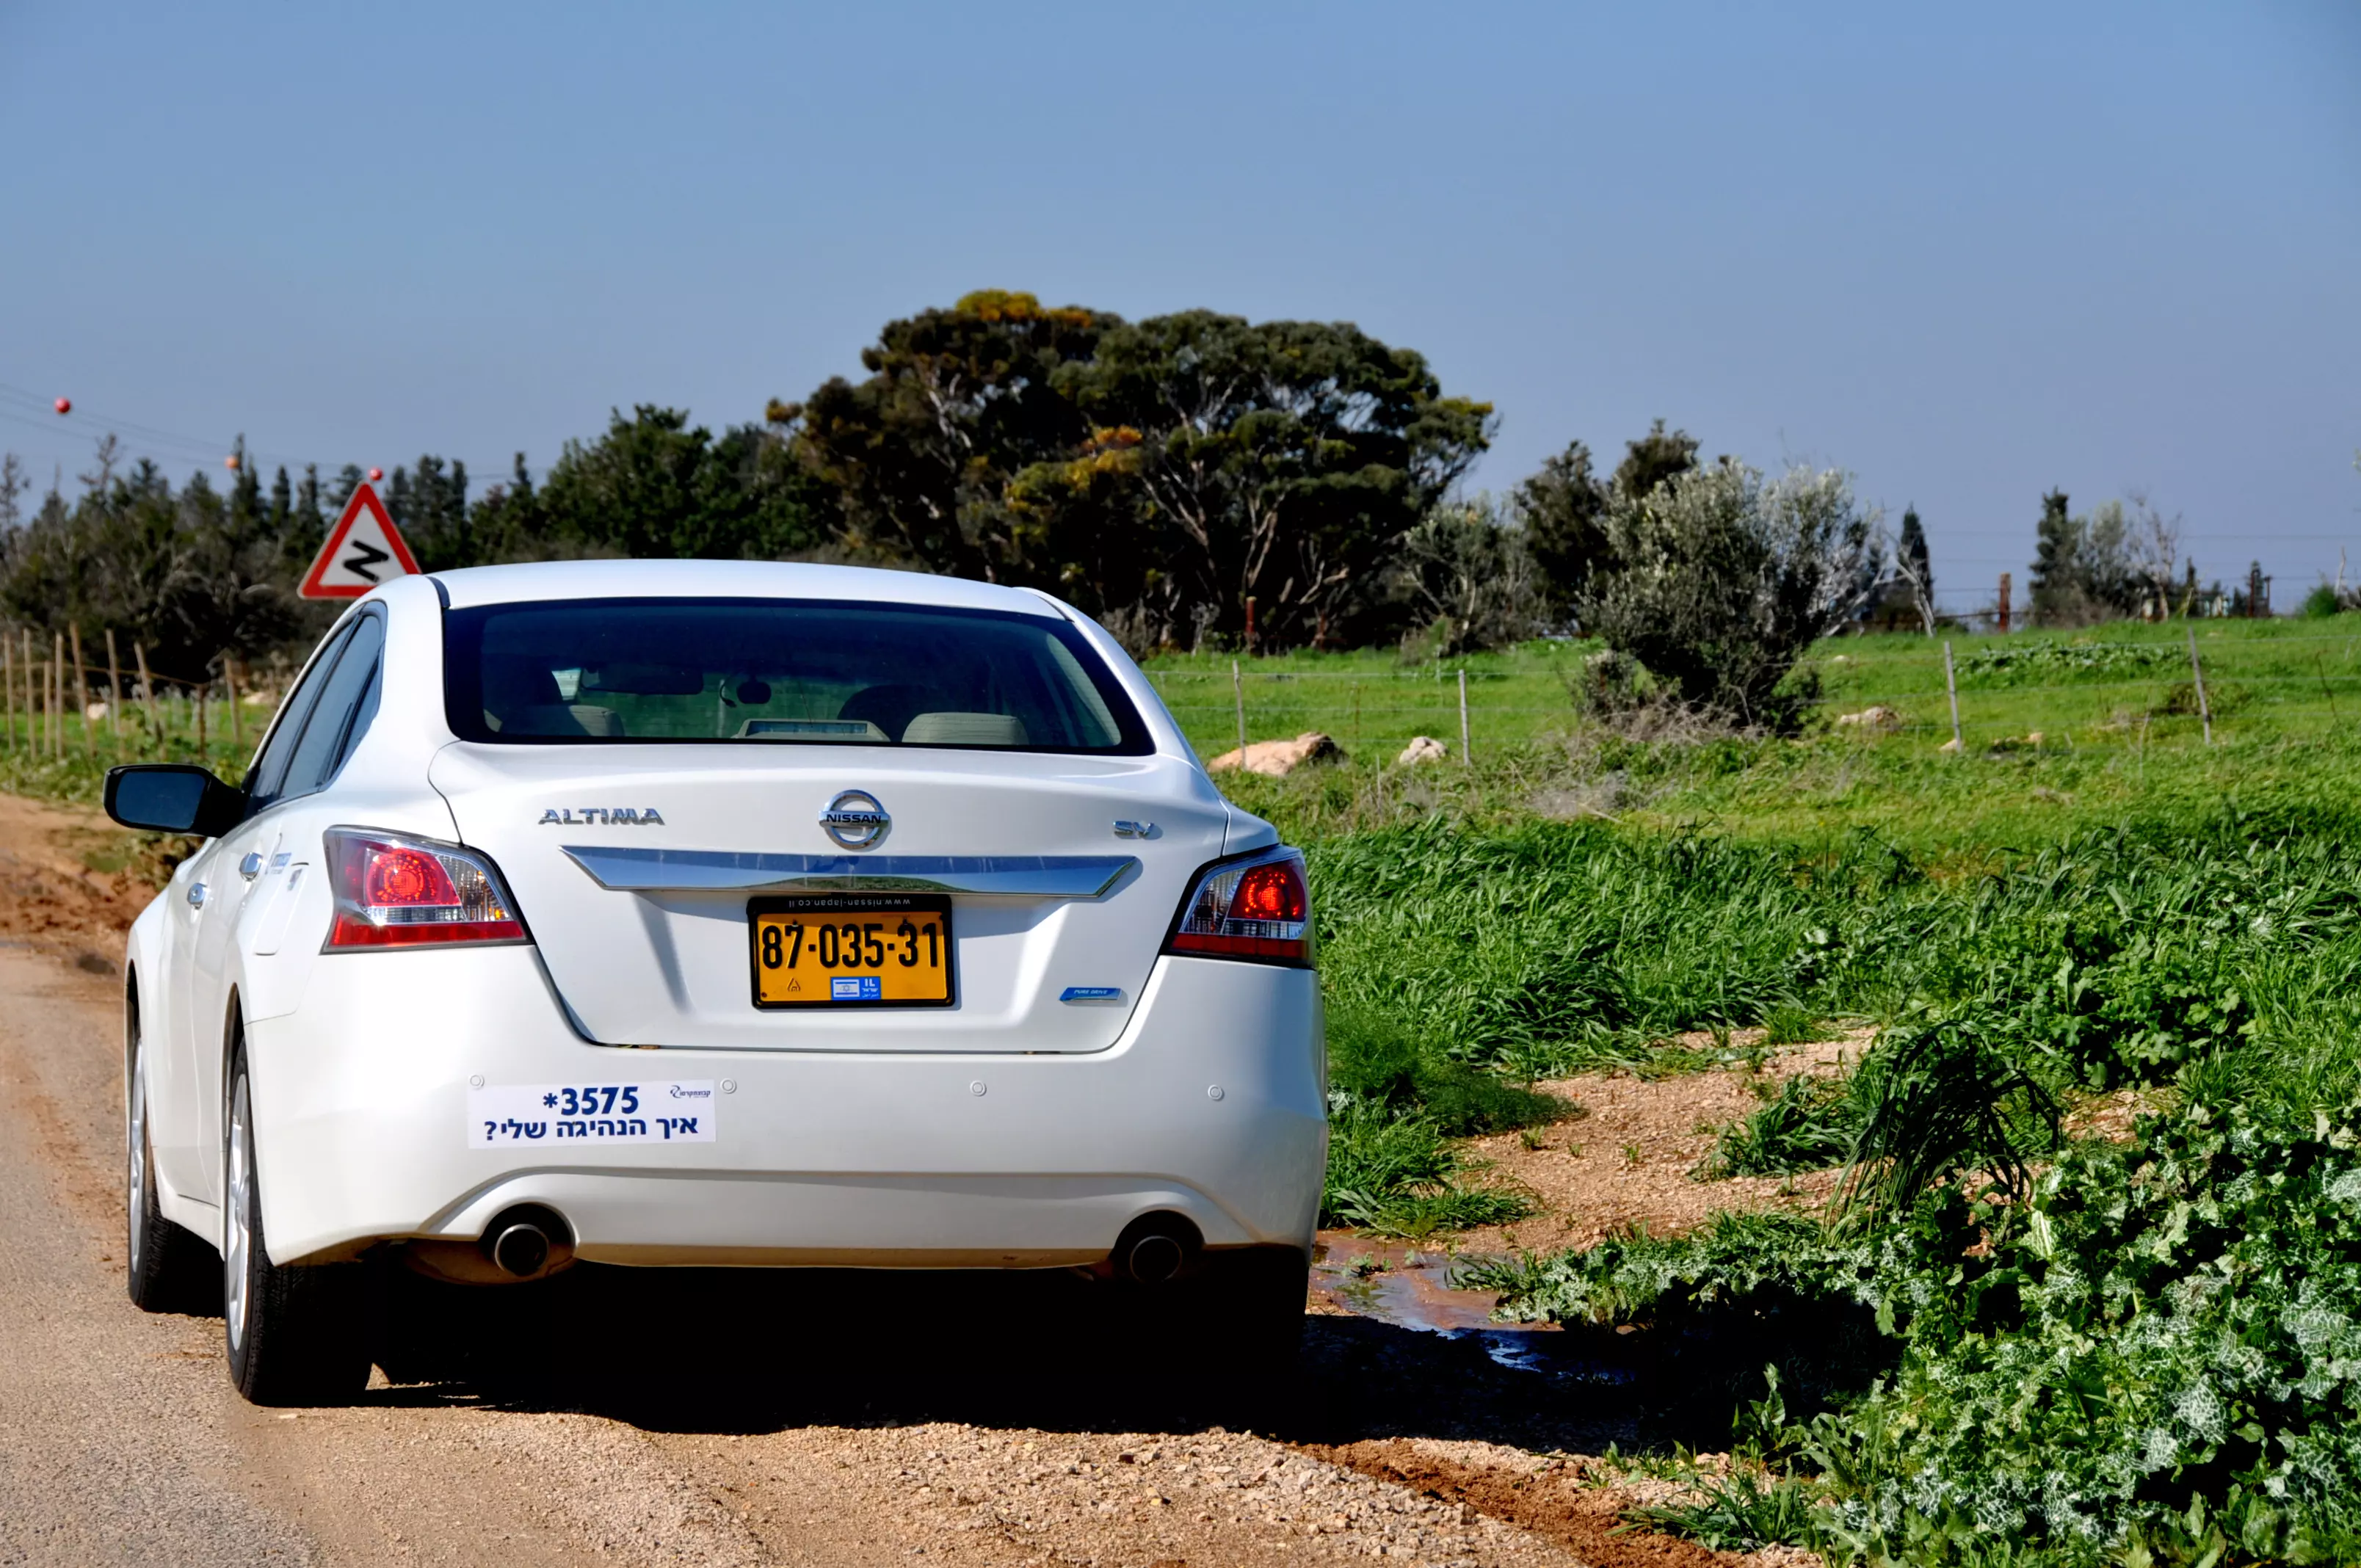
x=235, y=1234
x=135, y=1140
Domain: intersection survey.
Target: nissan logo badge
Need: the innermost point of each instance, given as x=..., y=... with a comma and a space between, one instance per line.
x=855, y=820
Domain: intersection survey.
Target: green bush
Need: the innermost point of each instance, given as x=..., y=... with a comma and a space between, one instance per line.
x=2154, y=1357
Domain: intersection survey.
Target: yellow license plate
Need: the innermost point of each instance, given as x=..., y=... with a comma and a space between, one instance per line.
x=852, y=950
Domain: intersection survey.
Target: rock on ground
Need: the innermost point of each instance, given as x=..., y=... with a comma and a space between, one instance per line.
x=1277, y=759
x=1423, y=749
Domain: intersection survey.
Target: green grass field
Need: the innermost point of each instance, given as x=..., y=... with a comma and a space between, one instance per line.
x=2009, y=1346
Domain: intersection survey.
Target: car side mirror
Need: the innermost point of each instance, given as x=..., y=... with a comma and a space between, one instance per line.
x=174, y=797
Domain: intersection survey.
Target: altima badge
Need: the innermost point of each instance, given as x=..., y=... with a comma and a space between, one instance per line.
x=855, y=820
x=601, y=817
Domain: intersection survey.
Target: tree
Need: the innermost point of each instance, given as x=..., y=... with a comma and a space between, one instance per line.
x=654, y=485
x=1164, y=472
x=1559, y=507
x=2155, y=552
x=510, y=522
x=1276, y=462
x=2083, y=569
x=1913, y=570
x=956, y=404
x=1470, y=575
x=1653, y=459
x=430, y=507
x=14, y=482
x=1562, y=506
x=1721, y=580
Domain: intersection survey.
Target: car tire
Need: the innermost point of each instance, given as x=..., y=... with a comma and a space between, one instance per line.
x=295, y=1335
x=1252, y=1308
x=167, y=1268
x=1230, y=1333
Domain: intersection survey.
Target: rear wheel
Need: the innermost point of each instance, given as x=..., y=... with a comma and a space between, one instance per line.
x=169, y=1270
x=1227, y=1334
x=296, y=1336
x=1253, y=1304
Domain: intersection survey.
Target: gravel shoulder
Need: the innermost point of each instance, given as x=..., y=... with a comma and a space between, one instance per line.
x=816, y=1419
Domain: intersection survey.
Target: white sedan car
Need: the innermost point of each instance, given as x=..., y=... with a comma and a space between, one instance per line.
x=682, y=913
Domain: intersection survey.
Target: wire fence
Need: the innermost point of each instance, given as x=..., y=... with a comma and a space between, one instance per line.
x=60, y=696
x=2041, y=690
x=61, y=699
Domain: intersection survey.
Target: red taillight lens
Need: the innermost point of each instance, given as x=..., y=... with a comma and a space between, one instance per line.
x=406, y=878
x=396, y=891
x=1259, y=908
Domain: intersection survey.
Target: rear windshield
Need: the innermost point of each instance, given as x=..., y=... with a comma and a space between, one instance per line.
x=779, y=672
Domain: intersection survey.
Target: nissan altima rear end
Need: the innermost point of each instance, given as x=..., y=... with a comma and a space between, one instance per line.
x=688, y=914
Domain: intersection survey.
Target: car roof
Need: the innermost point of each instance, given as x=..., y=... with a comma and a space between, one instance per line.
x=542, y=580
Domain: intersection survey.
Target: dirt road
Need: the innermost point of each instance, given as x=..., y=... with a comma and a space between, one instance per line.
x=811, y=1420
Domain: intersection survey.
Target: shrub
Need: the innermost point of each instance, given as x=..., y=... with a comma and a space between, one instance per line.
x=2154, y=1357
x=1721, y=580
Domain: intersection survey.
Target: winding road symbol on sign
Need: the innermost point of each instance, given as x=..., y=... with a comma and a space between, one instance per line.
x=363, y=550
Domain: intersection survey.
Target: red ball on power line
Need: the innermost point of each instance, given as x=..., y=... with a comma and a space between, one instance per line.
x=65, y=405
x=230, y=462
x=375, y=475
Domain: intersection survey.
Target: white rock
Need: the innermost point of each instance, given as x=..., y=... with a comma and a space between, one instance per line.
x=1875, y=716
x=1423, y=749
x=94, y=711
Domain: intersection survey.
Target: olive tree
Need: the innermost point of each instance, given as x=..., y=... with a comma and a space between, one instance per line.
x=1722, y=578
x=1469, y=572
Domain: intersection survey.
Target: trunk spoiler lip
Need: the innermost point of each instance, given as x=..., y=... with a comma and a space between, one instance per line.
x=632, y=869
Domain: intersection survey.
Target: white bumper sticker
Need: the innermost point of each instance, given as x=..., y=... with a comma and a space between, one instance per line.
x=504, y=1115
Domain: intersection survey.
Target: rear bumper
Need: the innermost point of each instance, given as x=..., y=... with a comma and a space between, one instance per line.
x=993, y=1160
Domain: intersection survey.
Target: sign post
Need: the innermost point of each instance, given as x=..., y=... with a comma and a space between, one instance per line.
x=363, y=550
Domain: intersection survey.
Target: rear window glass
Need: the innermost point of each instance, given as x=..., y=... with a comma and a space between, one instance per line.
x=775, y=672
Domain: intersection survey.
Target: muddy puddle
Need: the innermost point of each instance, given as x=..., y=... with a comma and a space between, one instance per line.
x=1402, y=1284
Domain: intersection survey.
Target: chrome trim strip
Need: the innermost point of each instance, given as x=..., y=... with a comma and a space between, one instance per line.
x=628, y=869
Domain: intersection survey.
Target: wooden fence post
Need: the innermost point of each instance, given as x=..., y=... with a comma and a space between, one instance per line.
x=148, y=687
x=236, y=724
x=1465, y=758
x=1952, y=685
x=205, y=689
x=8, y=688
x=1238, y=694
x=2197, y=675
x=2004, y=585
x=57, y=695
x=82, y=694
x=114, y=691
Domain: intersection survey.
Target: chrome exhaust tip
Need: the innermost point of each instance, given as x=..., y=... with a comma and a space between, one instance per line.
x=527, y=1241
x=521, y=1250
x=1156, y=1249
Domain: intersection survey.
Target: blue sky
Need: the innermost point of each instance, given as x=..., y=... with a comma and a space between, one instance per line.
x=1968, y=253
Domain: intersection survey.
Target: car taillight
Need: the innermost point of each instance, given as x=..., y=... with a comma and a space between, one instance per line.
x=393, y=891
x=1257, y=908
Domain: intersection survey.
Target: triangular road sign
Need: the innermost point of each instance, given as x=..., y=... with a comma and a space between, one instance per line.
x=363, y=550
